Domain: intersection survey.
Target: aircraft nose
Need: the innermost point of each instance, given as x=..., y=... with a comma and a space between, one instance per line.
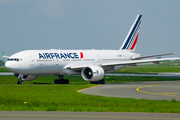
x=11, y=66
x=8, y=66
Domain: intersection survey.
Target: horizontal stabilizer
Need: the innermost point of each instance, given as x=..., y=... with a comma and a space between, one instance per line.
x=5, y=56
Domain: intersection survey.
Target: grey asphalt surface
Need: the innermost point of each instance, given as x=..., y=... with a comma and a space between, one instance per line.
x=156, y=90
x=38, y=115
x=6, y=73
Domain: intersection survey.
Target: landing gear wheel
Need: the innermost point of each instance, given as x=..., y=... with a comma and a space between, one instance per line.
x=98, y=82
x=66, y=81
x=56, y=81
x=20, y=82
x=102, y=82
x=94, y=82
x=61, y=80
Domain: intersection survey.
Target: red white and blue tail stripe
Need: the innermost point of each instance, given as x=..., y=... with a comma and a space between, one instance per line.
x=131, y=39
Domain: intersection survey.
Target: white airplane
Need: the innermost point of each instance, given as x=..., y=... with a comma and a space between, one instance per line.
x=90, y=64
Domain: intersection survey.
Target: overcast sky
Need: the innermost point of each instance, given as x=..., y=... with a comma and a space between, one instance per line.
x=88, y=24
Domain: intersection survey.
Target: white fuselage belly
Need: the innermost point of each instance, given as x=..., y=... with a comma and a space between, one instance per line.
x=53, y=62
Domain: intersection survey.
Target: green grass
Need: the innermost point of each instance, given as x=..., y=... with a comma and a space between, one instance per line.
x=3, y=69
x=65, y=98
x=43, y=95
x=56, y=97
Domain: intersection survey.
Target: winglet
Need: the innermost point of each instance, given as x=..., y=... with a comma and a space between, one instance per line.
x=132, y=36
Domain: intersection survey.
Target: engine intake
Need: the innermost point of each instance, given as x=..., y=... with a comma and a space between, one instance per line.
x=92, y=73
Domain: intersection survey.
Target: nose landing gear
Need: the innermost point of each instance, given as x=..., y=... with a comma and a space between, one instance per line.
x=20, y=80
x=61, y=80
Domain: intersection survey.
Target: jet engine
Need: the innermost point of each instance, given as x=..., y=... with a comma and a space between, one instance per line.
x=92, y=73
x=29, y=77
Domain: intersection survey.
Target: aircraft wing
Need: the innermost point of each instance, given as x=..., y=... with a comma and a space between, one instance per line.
x=139, y=61
x=130, y=62
x=137, y=58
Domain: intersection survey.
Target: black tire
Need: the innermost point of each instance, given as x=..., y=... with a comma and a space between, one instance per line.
x=56, y=81
x=93, y=82
x=102, y=82
x=19, y=82
x=61, y=81
x=98, y=82
x=66, y=81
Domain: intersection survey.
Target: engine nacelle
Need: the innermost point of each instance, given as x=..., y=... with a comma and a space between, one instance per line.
x=29, y=77
x=92, y=73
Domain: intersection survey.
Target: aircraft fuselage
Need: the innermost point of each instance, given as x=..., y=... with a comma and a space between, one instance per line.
x=53, y=62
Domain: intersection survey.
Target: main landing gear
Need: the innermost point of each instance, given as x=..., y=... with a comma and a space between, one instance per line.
x=98, y=82
x=61, y=80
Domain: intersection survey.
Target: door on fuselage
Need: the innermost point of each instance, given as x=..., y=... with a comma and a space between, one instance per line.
x=31, y=61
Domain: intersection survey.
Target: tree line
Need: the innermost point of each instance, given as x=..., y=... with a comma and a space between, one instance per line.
x=2, y=63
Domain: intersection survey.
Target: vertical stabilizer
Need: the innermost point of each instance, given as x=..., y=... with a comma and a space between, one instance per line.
x=132, y=36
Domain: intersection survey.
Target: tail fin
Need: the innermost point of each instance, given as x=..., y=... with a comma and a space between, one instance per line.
x=132, y=36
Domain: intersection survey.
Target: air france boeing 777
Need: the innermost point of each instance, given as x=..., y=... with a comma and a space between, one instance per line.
x=90, y=64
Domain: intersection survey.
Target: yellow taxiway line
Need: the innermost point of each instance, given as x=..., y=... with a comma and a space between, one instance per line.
x=174, y=94
x=87, y=88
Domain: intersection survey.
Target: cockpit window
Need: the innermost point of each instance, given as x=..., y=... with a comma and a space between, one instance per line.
x=13, y=59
